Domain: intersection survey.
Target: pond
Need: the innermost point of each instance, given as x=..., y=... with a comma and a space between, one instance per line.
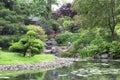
x=81, y=70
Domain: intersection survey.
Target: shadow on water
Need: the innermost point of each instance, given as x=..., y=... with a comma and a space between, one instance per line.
x=81, y=70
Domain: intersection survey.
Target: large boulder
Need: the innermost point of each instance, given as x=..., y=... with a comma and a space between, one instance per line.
x=49, y=43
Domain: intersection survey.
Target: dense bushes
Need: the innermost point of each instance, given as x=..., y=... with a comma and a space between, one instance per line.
x=54, y=25
x=40, y=33
x=92, y=43
x=29, y=44
x=101, y=47
x=11, y=26
x=66, y=37
x=63, y=38
x=5, y=41
x=10, y=23
x=115, y=49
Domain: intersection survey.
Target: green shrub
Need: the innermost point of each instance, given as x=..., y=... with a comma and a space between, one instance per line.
x=40, y=33
x=5, y=41
x=17, y=47
x=67, y=24
x=62, y=39
x=29, y=44
x=54, y=25
x=89, y=44
x=104, y=48
x=91, y=50
x=83, y=53
x=82, y=41
x=74, y=37
x=31, y=33
x=115, y=49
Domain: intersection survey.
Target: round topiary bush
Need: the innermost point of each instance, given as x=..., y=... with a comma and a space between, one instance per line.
x=40, y=33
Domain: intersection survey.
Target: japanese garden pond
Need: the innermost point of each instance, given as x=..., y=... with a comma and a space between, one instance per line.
x=80, y=70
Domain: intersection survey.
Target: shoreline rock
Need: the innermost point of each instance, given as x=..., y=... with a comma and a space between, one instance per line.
x=57, y=63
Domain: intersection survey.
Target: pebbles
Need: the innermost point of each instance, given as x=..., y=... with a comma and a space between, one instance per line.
x=57, y=63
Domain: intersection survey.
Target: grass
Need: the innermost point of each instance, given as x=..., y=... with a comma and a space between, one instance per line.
x=9, y=58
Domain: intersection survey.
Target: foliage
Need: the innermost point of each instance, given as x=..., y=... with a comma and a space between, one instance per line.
x=41, y=9
x=31, y=33
x=11, y=18
x=63, y=38
x=6, y=40
x=67, y=37
x=117, y=30
x=54, y=25
x=94, y=13
x=64, y=10
x=62, y=19
x=97, y=46
x=115, y=49
x=63, y=22
x=66, y=24
x=9, y=23
x=29, y=45
x=87, y=43
x=40, y=33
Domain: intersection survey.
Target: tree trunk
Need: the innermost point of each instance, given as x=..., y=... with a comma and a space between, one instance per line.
x=111, y=18
x=49, y=9
x=24, y=54
x=113, y=23
x=112, y=34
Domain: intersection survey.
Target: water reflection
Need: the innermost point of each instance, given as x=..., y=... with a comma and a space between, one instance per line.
x=83, y=70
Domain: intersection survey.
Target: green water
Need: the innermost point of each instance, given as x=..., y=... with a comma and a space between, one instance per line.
x=82, y=70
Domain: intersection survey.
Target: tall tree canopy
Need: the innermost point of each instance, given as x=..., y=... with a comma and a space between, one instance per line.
x=10, y=20
x=103, y=13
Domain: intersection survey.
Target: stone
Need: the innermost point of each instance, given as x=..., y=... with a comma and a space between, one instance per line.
x=50, y=43
x=58, y=63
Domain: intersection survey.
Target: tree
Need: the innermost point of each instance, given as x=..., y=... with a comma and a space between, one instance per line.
x=29, y=45
x=49, y=3
x=10, y=21
x=65, y=10
x=103, y=13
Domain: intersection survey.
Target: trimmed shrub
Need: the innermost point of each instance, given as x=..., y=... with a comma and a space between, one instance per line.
x=29, y=45
x=40, y=33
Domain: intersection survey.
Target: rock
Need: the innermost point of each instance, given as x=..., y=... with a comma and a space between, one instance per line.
x=50, y=43
x=103, y=56
x=58, y=63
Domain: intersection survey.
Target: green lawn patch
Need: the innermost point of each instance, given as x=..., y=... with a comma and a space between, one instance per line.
x=15, y=58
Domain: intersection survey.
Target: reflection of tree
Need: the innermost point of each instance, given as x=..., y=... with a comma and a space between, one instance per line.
x=28, y=76
x=51, y=75
x=41, y=77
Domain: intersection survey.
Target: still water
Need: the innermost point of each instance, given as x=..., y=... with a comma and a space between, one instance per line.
x=81, y=70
